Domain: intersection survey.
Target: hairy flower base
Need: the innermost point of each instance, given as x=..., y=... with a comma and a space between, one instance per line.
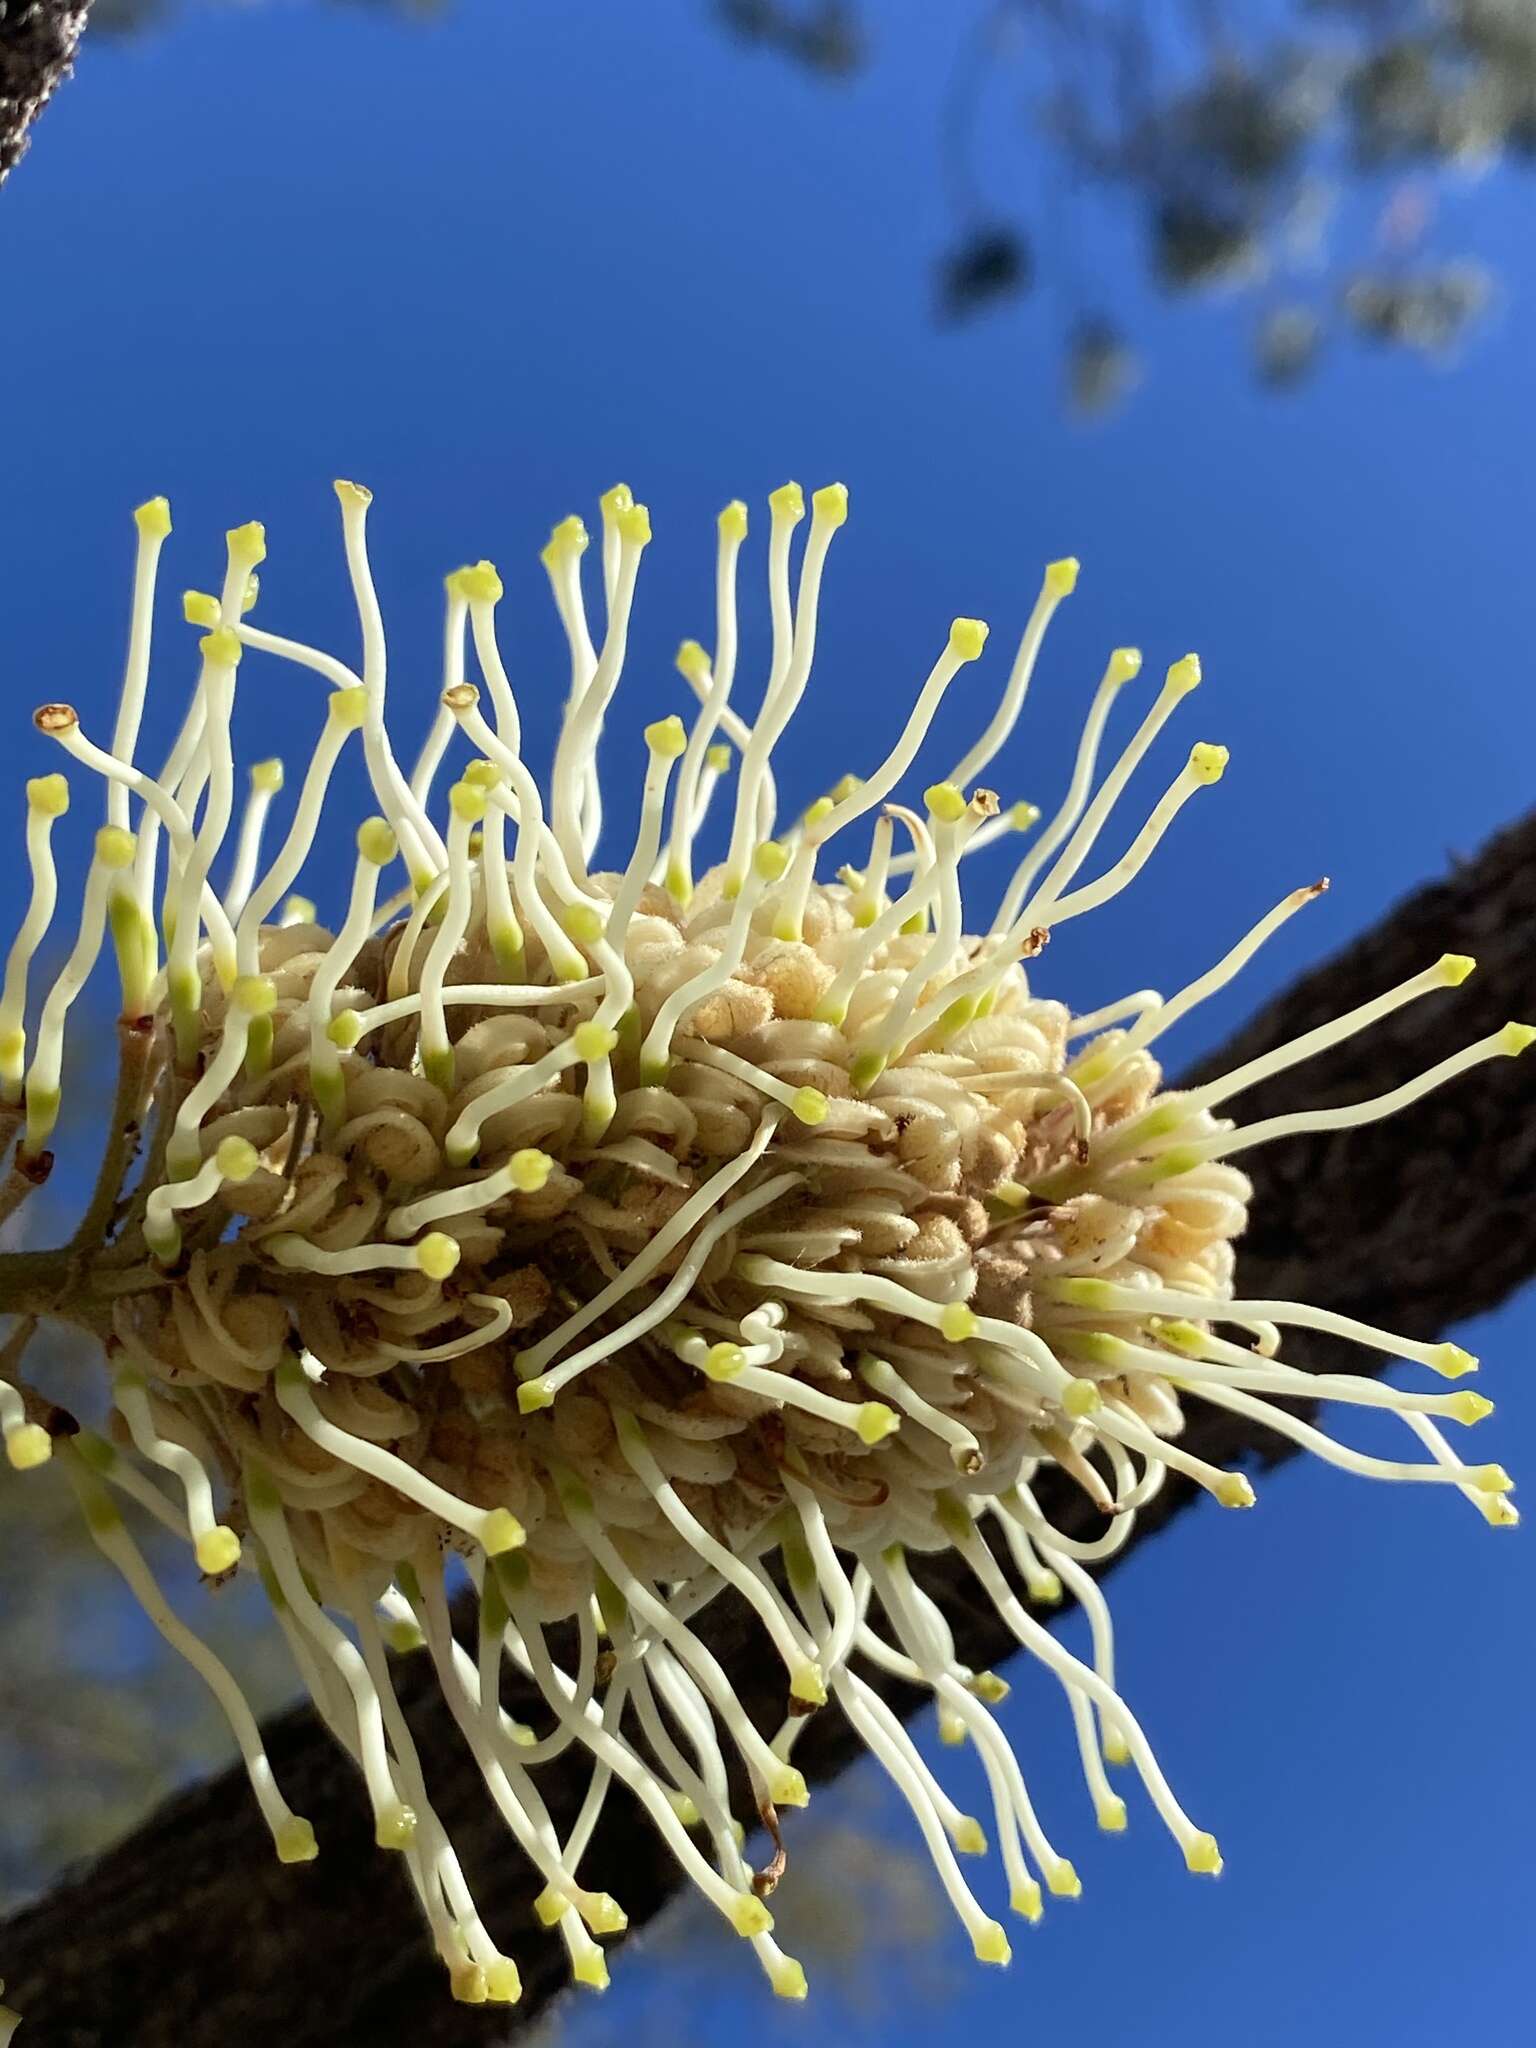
x=641, y=1235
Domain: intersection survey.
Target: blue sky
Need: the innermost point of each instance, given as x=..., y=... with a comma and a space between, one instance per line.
x=491, y=263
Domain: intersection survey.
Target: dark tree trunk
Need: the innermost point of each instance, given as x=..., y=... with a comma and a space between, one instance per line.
x=188, y=1935
x=37, y=48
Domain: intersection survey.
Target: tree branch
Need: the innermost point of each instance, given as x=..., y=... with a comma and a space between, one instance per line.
x=37, y=50
x=188, y=1933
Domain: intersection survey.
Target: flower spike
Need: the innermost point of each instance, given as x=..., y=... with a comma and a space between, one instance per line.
x=630, y=1228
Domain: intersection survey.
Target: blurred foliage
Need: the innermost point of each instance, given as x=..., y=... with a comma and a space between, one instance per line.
x=1293, y=154
x=826, y=35
x=1240, y=137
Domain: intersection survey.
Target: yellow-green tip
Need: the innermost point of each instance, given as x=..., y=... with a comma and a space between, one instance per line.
x=153, y=518
x=1080, y=1397
x=466, y=1981
x=222, y=647
x=789, y=1788
x=569, y=537
x=549, y=1906
x=376, y=841
x=295, y=1841
x=1455, y=967
x=247, y=544
x=1184, y=675
x=1450, y=1361
x=807, y=1684
x=967, y=637
x=957, y=1322
x=480, y=583
x=1490, y=1479
x=256, y=994
x=529, y=1170
x=875, y=1422
x=603, y=1913
x=533, y=1395
x=724, y=1361
x=810, y=1106
x=991, y=1943
x=770, y=860
x=503, y=1985
x=667, y=738
x=501, y=1531
x=217, y=1551
x=1112, y=1814
x=1468, y=1407
x=395, y=1826
x=749, y=1916
x=348, y=708
x=945, y=802
x=27, y=1446
x=1202, y=1856
x=48, y=794
x=830, y=504
x=788, y=1978
x=115, y=847
x=591, y=1969
x=437, y=1254
x=593, y=1041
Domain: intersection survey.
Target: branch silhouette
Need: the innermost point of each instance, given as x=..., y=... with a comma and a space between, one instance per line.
x=188, y=1933
x=37, y=50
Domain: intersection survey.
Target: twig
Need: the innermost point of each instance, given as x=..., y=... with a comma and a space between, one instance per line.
x=135, y=1048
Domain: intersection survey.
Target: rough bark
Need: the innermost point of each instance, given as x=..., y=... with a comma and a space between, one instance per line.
x=37, y=49
x=189, y=1934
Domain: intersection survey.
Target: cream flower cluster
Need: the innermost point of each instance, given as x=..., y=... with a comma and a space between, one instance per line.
x=606, y=1238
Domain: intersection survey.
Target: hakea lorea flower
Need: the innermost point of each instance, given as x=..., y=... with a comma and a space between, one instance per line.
x=616, y=1234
